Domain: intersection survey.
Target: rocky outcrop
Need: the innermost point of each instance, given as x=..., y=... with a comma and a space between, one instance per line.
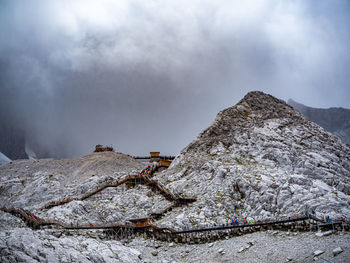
x=25, y=245
x=260, y=159
x=334, y=120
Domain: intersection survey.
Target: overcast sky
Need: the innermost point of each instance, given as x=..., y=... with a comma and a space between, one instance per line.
x=150, y=75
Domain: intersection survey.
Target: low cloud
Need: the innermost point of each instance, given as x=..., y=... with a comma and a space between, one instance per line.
x=150, y=75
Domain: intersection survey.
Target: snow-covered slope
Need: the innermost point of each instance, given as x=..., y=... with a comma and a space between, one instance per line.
x=4, y=158
x=261, y=159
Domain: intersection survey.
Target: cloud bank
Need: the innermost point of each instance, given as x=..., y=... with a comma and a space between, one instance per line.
x=150, y=75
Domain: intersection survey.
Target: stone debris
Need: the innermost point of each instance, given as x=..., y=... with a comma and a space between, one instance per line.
x=327, y=233
x=337, y=251
x=323, y=234
x=251, y=243
x=241, y=249
x=318, y=252
x=154, y=253
x=221, y=251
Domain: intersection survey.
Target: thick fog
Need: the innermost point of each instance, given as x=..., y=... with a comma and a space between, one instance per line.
x=150, y=75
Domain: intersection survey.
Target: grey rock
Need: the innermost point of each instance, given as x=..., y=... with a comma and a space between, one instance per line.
x=337, y=251
x=241, y=249
x=96, y=258
x=21, y=257
x=10, y=259
x=5, y=252
x=157, y=245
x=327, y=233
x=250, y=243
x=318, y=252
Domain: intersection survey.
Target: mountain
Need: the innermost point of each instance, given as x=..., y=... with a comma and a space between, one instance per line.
x=334, y=120
x=263, y=159
x=260, y=160
x=12, y=140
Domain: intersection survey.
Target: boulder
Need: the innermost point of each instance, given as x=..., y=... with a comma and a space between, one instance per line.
x=318, y=252
x=337, y=251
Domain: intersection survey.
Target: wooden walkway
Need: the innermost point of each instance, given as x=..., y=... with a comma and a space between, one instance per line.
x=122, y=230
x=150, y=157
x=144, y=177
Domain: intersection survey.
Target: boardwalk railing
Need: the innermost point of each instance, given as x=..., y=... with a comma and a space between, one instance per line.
x=194, y=235
x=158, y=157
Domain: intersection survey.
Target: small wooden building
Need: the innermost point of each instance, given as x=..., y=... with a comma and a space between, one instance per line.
x=154, y=154
x=100, y=148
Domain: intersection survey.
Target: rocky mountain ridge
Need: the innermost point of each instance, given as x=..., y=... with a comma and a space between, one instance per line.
x=262, y=159
x=334, y=120
x=12, y=139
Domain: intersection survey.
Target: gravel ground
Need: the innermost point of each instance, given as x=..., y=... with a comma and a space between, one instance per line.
x=269, y=246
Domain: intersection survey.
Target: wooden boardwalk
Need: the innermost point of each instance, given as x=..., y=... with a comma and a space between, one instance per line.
x=150, y=157
x=128, y=230
x=144, y=177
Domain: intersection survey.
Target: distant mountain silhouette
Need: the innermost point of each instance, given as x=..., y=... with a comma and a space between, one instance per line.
x=334, y=120
x=12, y=139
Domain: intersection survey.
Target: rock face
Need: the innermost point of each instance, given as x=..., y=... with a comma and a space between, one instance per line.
x=334, y=120
x=25, y=245
x=32, y=183
x=261, y=159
